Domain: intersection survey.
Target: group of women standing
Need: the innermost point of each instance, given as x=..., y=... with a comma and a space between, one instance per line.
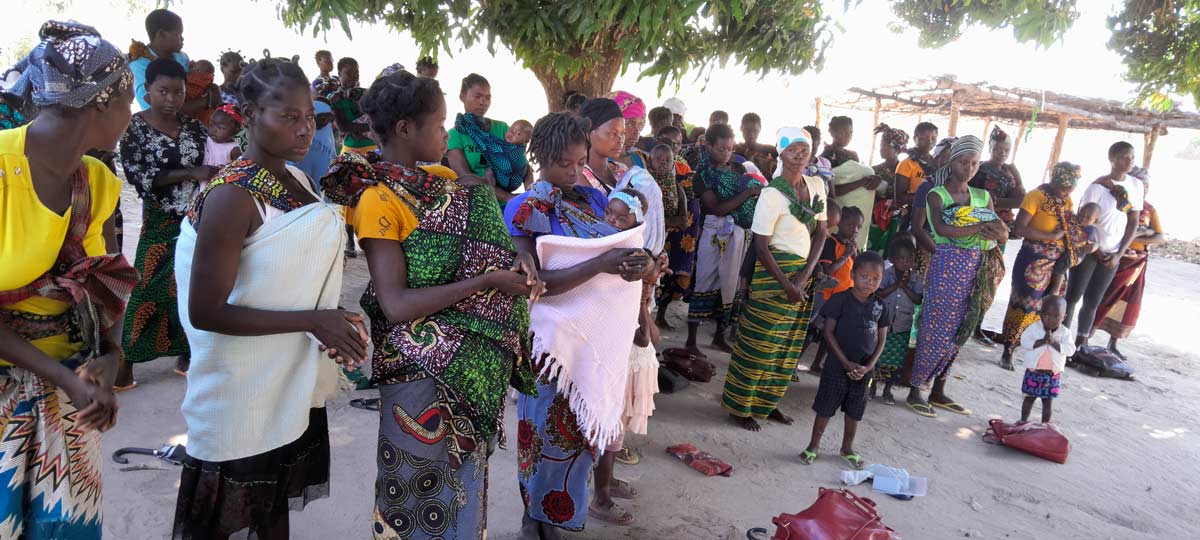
x=453, y=274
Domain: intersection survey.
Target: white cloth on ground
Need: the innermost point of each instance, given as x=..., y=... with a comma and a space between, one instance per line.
x=587, y=333
x=250, y=394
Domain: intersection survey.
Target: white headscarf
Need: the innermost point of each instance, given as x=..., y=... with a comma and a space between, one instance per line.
x=676, y=106
x=785, y=137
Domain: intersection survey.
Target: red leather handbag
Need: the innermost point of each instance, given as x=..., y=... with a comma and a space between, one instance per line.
x=837, y=515
x=1041, y=440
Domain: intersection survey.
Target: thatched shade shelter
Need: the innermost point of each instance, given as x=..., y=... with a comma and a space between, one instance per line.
x=946, y=96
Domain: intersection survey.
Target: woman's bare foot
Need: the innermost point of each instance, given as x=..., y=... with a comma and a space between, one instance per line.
x=778, y=416
x=124, y=377
x=720, y=344
x=1006, y=362
x=750, y=424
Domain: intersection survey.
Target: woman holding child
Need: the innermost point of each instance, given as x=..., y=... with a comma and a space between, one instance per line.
x=554, y=457
x=964, y=227
x=449, y=314
x=1042, y=220
x=789, y=229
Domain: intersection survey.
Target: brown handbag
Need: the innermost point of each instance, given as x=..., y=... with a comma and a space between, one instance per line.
x=836, y=515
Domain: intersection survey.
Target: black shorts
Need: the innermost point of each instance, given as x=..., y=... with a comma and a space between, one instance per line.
x=838, y=391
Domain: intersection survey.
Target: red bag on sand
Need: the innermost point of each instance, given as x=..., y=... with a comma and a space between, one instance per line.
x=701, y=461
x=1041, y=440
x=837, y=515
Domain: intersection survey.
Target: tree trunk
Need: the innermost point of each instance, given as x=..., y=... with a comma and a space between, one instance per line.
x=594, y=82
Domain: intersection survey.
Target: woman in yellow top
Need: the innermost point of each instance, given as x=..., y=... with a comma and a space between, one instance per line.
x=57, y=364
x=1042, y=222
x=449, y=309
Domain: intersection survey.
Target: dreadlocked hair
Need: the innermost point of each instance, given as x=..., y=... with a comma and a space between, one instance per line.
x=554, y=133
x=229, y=57
x=399, y=96
x=267, y=80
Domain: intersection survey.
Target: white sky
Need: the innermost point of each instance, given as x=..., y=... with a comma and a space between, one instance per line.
x=866, y=54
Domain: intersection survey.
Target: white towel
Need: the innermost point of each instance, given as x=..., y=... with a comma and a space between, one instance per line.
x=250, y=394
x=861, y=198
x=587, y=332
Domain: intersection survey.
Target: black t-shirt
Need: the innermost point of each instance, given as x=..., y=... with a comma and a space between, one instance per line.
x=858, y=325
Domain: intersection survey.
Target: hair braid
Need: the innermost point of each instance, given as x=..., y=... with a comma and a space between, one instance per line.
x=554, y=133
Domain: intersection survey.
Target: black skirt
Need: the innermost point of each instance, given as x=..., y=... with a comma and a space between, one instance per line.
x=238, y=497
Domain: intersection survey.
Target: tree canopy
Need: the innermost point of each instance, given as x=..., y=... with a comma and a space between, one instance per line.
x=584, y=45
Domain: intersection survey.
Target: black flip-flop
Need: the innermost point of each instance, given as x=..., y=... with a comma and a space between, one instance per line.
x=366, y=404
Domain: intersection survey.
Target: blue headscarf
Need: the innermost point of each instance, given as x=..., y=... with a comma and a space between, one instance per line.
x=71, y=67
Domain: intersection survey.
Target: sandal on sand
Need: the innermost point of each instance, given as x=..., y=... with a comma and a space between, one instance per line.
x=119, y=389
x=952, y=407
x=807, y=457
x=889, y=399
x=854, y=460
x=922, y=409
x=628, y=456
x=620, y=489
x=613, y=515
x=366, y=404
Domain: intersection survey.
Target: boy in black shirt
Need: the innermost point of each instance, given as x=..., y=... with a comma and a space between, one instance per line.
x=856, y=325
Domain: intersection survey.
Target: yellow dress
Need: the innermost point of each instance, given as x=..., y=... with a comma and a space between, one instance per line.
x=31, y=234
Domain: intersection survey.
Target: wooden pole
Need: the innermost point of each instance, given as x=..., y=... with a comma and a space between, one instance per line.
x=818, y=109
x=874, y=124
x=1148, y=154
x=955, y=104
x=1063, y=121
x=1017, y=142
x=987, y=126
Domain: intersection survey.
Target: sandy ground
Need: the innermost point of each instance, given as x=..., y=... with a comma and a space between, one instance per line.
x=1131, y=472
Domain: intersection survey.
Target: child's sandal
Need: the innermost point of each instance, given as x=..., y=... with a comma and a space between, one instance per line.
x=806, y=457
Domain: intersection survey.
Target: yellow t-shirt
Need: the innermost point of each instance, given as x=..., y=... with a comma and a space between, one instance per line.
x=773, y=217
x=913, y=171
x=31, y=234
x=1044, y=219
x=381, y=214
x=1154, y=225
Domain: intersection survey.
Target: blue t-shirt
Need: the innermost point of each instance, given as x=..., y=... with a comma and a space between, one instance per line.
x=139, y=75
x=595, y=198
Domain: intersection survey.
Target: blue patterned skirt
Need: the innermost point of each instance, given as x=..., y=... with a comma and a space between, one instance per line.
x=1041, y=383
x=554, y=459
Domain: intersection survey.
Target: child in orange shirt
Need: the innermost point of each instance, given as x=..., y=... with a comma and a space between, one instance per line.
x=837, y=262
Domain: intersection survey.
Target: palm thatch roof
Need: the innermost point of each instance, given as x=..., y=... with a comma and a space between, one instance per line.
x=941, y=95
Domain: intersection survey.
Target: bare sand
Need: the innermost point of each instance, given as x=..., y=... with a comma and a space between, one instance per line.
x=1133, y=472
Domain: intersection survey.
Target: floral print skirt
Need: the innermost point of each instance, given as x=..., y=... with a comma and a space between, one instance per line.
x=554, y=459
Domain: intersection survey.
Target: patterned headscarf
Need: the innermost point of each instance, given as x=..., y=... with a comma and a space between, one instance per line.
x=72, y=67
x=1065, y=174
x=997, y=136
x=964, y=145
x=895, y=138
x=942, y=146
x=1140, y=173
x=631, y=105
x=784, y=138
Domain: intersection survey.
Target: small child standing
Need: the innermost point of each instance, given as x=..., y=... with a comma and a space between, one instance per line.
x=221, y=147
x=519, y=133
x=902, y=291
x=837, y=262
x=856, y=326
x=1045, y=347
